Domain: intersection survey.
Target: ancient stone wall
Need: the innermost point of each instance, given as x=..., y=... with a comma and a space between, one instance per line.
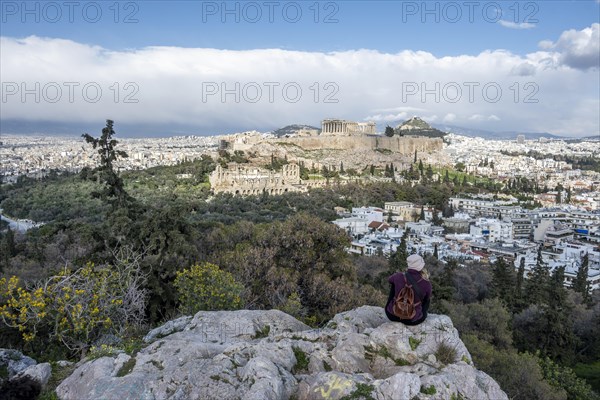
x=398, y=144
x=243, y=180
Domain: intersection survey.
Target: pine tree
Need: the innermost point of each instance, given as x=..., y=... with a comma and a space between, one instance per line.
x=435, y=218
x=397, y=261
x=429, y=172
x=435, y=252
x=443, y=284
x=503, y=281
x=341, y=167
x=581, y=283
x=421, y=166
x=559, y=338
x=422, y=215
x=446, y=177
x=415, y=160
x=536, y=288
x=114, y=188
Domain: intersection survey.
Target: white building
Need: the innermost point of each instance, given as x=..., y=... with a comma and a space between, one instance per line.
x=353, y=225
x=369, y=213
x=492, y=229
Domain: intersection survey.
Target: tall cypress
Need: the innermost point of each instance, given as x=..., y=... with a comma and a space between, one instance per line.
x=559, y=338
x=397, y=261
x=503, y=281
x=581, y=283
x=536, y=288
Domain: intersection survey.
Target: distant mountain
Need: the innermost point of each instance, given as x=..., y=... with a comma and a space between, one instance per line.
x=417, y=127
x=507, y=135
x=292, y=129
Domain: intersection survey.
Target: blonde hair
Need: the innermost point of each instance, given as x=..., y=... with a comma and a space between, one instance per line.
x=425, y=274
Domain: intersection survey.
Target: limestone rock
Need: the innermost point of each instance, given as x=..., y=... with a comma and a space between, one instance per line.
x=14, y=362
x=270, y=355
x=21, y=376
x=39, y=373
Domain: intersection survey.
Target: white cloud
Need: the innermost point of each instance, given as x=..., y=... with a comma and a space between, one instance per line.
x=479, y=117
x=523, y=69
x=515, y=25
x=216, y=90
x=577, y=49
x=450, y=117
x=386, y=117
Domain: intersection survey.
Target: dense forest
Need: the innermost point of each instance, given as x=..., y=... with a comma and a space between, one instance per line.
x=121, y=253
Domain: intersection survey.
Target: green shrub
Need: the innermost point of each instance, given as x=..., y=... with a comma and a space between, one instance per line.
x=362, y=391
x=301, y=360
x=445, y=353
x=206, y=287
x=262, y=333
x=414, y=343
x=428, y=390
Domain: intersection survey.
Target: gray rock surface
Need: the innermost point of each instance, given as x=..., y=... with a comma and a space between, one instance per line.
x=14, y=366
x=270, y=355
x=13, y=362
x=40, y=373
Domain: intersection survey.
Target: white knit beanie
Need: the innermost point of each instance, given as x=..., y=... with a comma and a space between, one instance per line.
x=415, y=262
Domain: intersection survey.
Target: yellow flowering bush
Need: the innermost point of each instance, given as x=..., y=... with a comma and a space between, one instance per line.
x=206, y=287
x=76, y=308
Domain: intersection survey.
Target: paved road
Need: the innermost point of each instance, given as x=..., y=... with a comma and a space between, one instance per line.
x=19, y=225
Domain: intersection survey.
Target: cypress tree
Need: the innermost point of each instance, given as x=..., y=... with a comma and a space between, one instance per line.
x=536, y=288
x=559, y=338
x=429, y=172
x=581, y=283
x=397, y=261
x=503, y=281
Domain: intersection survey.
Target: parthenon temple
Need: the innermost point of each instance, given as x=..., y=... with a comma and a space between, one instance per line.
x=343, y=127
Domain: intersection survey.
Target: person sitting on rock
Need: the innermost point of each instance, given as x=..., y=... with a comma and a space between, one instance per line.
x=417, y=278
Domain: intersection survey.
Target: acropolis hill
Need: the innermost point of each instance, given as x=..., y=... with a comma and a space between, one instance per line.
x=339, y=141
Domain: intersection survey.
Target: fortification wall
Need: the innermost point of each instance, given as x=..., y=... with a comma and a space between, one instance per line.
x=398, y=144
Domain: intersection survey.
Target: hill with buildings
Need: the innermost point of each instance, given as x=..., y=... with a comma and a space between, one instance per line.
x=492, y=135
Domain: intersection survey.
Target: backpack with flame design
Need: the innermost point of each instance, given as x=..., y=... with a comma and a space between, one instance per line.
x=404, y=303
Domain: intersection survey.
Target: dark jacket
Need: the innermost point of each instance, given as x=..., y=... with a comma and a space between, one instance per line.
x=422, y=290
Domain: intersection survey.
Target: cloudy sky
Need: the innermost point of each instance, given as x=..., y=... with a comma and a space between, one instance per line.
x=193, y=67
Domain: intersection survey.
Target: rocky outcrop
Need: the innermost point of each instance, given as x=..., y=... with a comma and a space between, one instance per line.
x=270, y=355
x=21, y=377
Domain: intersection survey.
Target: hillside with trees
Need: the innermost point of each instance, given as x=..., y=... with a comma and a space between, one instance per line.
x=122, y=253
